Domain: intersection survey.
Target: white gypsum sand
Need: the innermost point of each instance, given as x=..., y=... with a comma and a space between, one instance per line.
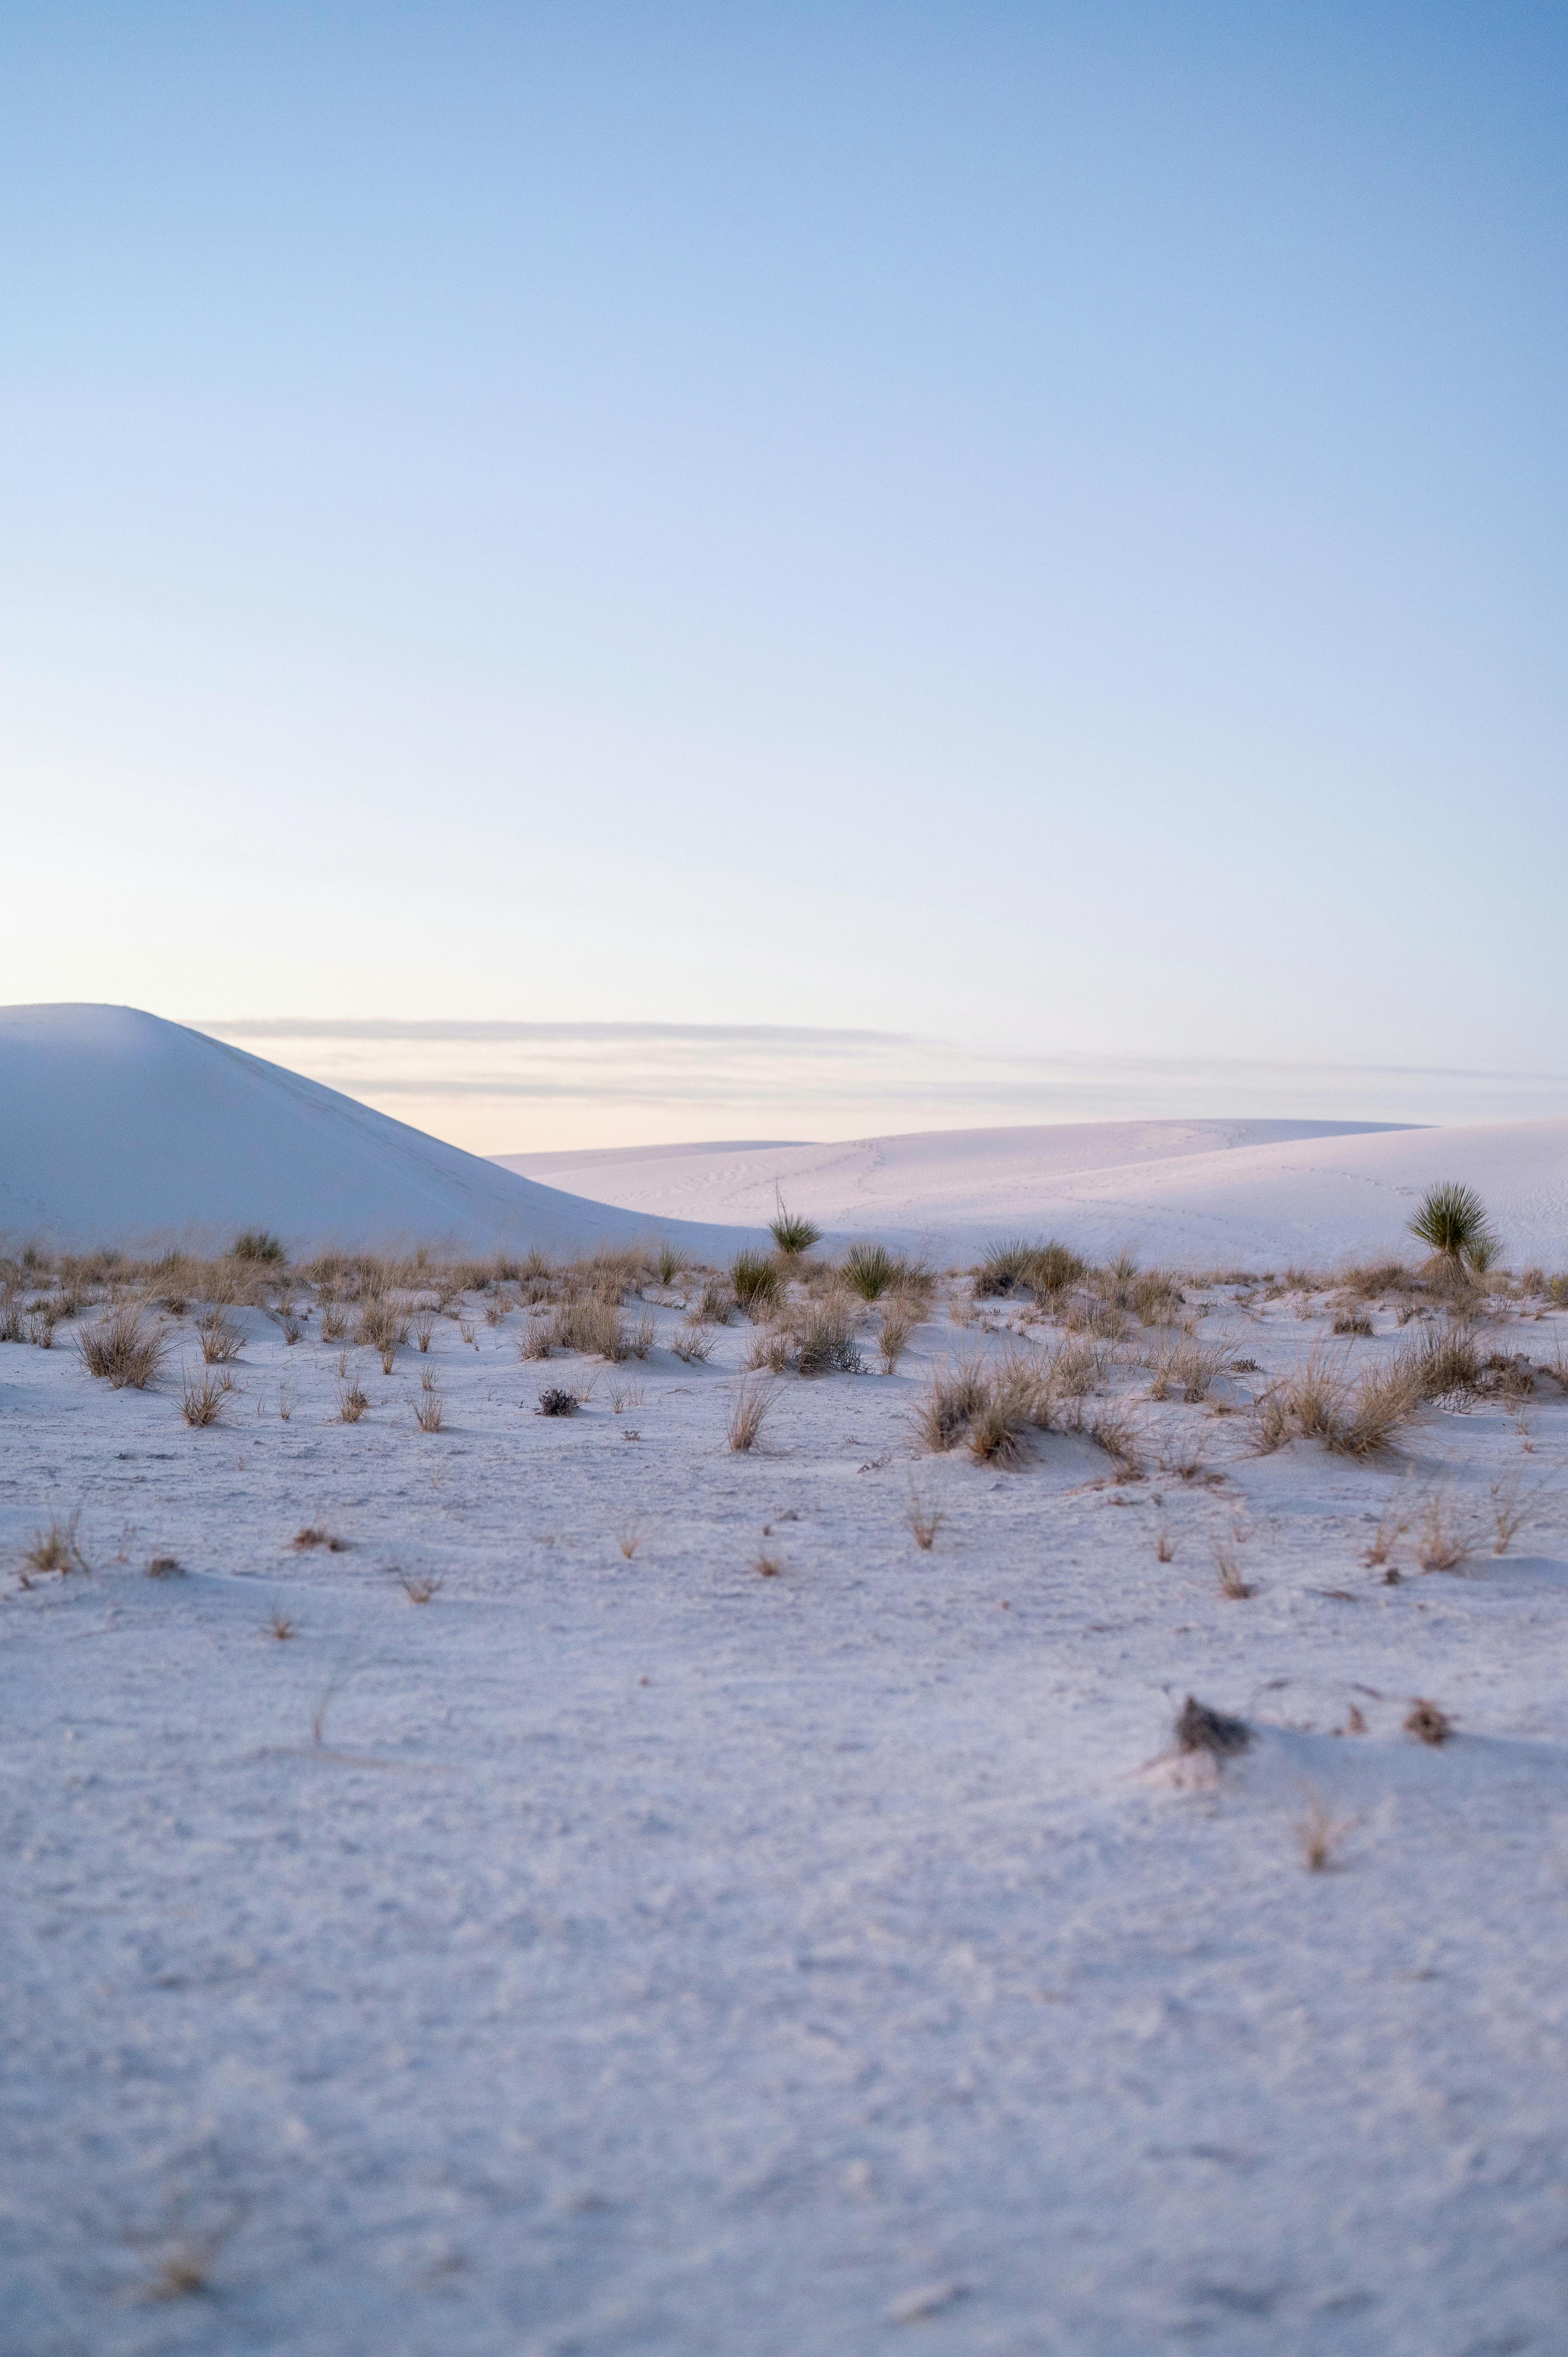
x=633, y=1896
x=1198, y=1194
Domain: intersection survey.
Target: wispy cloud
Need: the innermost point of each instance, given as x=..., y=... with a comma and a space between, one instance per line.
x=505, y=1087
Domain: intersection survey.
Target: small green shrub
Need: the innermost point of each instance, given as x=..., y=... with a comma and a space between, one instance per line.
x=755, y=1278
x=791, y=1232
x=871, y=1271
x=255, y=1244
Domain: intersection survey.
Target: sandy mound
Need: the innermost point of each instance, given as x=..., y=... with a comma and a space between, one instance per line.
x=122, y=1128
x=1195, y=1193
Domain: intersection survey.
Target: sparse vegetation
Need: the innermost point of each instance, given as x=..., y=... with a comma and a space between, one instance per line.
x=924, y=1520
x=1321, y=1835
x=791, y=1233
x=1451, y=1221
x=123, y=1348
x=554, y=1401
x=352, y=1401
x=871, y=1270
x=313, y=1536
x=1428, y=1723
x=429, y=1409
x=754, y=1280
x=1200, y=1727
x=202, y=1403
x=57, y=1546
x=752, y=1402
x=255, y=1245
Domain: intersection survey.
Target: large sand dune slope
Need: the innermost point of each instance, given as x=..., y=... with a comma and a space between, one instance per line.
x=117, y=1127
x=1199, y=1194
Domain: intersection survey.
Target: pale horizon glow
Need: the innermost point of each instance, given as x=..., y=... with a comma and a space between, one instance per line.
x=518, y=1088
x=1038, y=533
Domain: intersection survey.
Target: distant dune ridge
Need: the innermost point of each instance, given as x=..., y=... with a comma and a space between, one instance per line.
x=119, y=1127
x=1194, y=1194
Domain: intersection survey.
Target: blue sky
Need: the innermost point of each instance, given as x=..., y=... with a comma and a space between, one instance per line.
x=1036, y=529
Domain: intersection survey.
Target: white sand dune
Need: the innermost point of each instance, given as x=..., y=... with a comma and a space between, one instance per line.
x=1195, y=1193
x=121, y=1128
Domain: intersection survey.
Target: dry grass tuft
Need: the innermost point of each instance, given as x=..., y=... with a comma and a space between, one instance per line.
x=429, y=1409
x=352, y=1402
x=1228, y=1563
x=312, y=1535
x=1318, y=1403
x=752, y=1402
x=280, y=1626
x=1321, y=1835
x=165, y=1567
x=220, y=1340
x=1428, y=1724
x=56, y=1547
x=420, y=1586
x=202, y=1403
x=1445, y=1538
x=924, y=1520
x=1353, y=1321
x=900, y=1320
x=631, y=1540
x=824, y=1337
x=767, y=1566
x=554, y=1401
x=122, y=1349
x=1187, y=1370
x=1165, y=1545
x=692, y=1341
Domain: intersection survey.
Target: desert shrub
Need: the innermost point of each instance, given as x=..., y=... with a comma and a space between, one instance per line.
x=1187, y=1370
x=692, y=1341
x=1352, y=1321
x=56, y=1547
x=1155, y=1297
x=1320, y=1402
x=825, y=1343
x=792, y=1233
x=593, y=1326
x=122, y=1349
x=352, y=1402
x=1053, y=1267
x=754, y=1276
x=256, y=1244
x=1445, y=1363
x=953, y=1396
x=871, y=1271
x=382, y=1327
x=668, y=1261
x=202, y=1402
x=898, y=1322
x=556, y=1402
x=1003, y=1267
x=716, y=1306
x=1450, y=1220
x=220, y=1337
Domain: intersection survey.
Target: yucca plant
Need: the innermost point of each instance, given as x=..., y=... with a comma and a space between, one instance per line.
x=791, y=1232
x=871, y=1271
x=1451, y=1221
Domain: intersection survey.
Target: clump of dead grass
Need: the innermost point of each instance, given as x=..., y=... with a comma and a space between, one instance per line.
x=1428, y=1723
x=57, y=1546
x=123, y=1348
x=752, y=1402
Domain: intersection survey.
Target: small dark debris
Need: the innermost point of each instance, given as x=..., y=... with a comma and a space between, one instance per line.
x=554, y=1401
x=165, y=1567
x=313, y=1537
x=1200, y=1728
x=1428, y=1724
x=1391, y=1577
